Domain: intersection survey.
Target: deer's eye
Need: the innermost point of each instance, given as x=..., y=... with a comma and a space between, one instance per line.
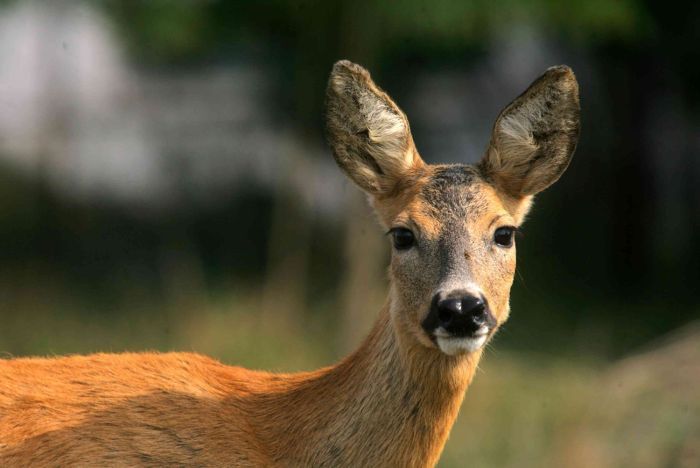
x=504, y=236
x=403, y=238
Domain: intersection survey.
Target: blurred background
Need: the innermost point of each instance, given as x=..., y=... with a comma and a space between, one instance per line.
x=165, y=185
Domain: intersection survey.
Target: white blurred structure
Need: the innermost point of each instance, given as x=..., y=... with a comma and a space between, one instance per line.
x=73, y=112
x=63, y=90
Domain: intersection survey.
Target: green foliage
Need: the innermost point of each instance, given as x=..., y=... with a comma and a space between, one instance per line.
x=168, y=31
x=161, y=31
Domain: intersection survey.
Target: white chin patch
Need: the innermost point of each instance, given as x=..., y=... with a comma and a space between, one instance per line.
x=456, y=345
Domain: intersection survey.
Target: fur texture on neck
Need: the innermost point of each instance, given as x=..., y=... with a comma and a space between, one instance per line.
x=387, y=404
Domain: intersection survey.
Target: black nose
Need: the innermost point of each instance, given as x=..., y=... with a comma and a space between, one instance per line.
x=459, y=314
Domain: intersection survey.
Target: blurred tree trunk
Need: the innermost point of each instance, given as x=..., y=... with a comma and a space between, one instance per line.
x=283, y=300
x=364, y=282
x=633, y=79
x=183, y=279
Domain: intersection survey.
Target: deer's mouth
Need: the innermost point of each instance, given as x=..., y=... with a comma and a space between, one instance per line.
x=452, y=344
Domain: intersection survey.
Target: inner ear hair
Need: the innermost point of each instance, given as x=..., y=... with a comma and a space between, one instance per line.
x=368, y=133
x=535, y=136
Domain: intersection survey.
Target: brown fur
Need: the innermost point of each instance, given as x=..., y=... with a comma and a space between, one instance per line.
x=176, y=408
x=392, y=402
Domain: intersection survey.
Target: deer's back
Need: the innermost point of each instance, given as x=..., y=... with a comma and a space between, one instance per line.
x=129, y=409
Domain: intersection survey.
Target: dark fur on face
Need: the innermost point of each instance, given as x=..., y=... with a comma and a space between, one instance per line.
x=448, y=189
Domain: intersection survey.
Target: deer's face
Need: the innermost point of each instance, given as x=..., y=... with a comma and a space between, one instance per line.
x=453, y=256
x=451, y=227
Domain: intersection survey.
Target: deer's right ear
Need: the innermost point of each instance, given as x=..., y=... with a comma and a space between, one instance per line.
x=369, y=134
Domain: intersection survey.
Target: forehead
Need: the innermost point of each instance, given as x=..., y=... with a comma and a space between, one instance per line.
x=457, y=192
x=444, y=195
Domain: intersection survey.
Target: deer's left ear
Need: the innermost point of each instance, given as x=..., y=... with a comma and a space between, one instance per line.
x=534, y=137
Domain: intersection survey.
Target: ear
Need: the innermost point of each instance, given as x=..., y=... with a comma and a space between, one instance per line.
x=535, y=136
x=369, y=135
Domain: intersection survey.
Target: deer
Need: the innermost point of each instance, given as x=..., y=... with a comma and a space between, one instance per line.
x=393, y=401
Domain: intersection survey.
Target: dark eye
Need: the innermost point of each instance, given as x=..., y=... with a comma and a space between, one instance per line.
x=504, y=236
x=403, y=238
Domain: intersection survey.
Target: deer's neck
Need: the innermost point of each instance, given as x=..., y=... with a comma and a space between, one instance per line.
x=388, y=403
